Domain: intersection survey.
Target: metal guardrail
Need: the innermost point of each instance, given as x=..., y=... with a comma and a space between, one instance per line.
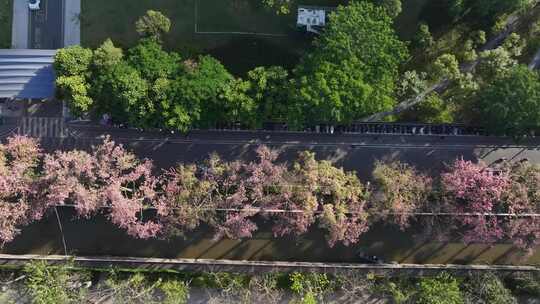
x=412, y=129
x=375, y=128
x=41, y=127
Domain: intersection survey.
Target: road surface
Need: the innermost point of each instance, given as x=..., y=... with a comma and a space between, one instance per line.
x=353, y=152
x=46, y=25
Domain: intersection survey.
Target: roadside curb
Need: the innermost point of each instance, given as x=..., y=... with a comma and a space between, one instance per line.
x=210, y=265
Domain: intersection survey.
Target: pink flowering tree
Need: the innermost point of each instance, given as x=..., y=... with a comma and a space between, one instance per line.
x=523, y=197
x=399, y=190
x=226, y=195
x=186, y=200
x=19, y=192
x=260, y=185
x=343, y=200
x=299, y=200
x=474, y=188
x=318, y=190
x=109, y=178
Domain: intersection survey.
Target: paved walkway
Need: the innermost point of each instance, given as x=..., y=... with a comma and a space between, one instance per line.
x=46, y=30
x=19, y=32
x=72, y=24
x=254, y=267
x=535, y=63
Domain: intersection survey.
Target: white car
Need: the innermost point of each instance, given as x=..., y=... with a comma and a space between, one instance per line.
x=34, y=4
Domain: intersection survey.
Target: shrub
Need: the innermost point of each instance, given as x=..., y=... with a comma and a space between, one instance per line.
x=176, y=292
x=443, y=289
x=49, y=285
x=487, y=289
x=72, y=61
x=527, y=284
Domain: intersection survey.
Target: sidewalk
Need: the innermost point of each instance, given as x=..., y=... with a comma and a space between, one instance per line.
x=72, y=24
x=19, y=31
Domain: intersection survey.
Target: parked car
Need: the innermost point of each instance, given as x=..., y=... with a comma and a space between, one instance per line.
x=34, y=4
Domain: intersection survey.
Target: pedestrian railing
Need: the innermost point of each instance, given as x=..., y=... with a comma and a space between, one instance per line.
x=41, y=127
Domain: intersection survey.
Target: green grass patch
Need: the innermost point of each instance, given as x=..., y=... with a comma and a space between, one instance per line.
x=407, y=22
x=241, y=16
x=101, y=19
x=6, y=11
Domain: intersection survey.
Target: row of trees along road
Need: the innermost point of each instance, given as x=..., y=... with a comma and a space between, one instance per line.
x=469, y=200
x=350, y=73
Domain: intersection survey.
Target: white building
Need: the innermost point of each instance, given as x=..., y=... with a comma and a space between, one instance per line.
x=312, y=17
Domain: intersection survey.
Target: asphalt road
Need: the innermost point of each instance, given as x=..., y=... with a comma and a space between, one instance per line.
x=353, y=152
x=46, y=29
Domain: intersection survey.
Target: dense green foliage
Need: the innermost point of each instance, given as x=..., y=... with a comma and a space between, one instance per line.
x=72, y=61
x=269, y=90
x=350, y=73
x=353, y=69
x=510, y=105
x=357, y=67
x=65, y=284
x=440, y=290
x=487, y=288
x=48, y=285
x=150, y=87
x=484, y=10
x=153, y=25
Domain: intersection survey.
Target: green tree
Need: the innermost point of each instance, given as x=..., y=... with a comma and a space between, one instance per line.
x=336, y=93
x=107, y=55
x=446, y=66
x=432, y=110
x=442, y=289
x=392, y=7
x=195, y=96
x=122, y=92
x=484, y=11
x=510, y=104
x=72, y=66
x=152, y=62
x=269, y=89
x=72, y=61
x=352, y=70
x=494, y=63
x=153, y=25
x=236, y=105
x=411, y=83
x=74, y=90
x=423, y=38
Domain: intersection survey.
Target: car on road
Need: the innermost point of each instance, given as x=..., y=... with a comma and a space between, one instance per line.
x=34, y=4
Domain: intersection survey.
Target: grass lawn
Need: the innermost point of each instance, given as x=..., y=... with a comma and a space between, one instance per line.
x=101, y=19
x=6, y=11
x=407, y=22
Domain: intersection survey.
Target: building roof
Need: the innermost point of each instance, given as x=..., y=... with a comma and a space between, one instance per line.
x=308, y=16
x=27, y=73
